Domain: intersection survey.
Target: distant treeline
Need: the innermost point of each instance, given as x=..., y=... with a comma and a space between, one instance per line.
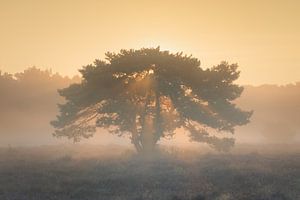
x=28, y=102
x=276, y=115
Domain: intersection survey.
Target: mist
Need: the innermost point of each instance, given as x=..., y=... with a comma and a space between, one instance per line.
x=29, y=102
x=262, y=164
x=276, y=113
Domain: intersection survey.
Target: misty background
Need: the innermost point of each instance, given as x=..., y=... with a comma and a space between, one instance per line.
x=261, y=36
x=28, y=102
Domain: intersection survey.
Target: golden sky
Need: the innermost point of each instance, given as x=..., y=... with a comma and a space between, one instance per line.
x=262, y=36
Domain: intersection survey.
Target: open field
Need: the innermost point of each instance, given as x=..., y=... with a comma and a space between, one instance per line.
x=64, y=173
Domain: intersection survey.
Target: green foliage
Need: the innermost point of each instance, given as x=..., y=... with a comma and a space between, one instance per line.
x=149, y=94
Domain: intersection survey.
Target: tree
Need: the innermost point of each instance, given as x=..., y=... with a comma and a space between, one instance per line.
x=148, y=94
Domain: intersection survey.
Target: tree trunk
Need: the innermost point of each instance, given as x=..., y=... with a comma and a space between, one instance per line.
x=135, y=138
x=151, y=125
x=158, y=119
x=146, y=135
x=137, y=145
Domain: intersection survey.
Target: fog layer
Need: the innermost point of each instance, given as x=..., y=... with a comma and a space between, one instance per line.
x=28, y=102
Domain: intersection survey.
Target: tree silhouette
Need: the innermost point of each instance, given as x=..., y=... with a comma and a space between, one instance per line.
x=149, y=94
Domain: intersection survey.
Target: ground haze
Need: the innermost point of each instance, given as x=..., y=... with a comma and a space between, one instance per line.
x=115, y=172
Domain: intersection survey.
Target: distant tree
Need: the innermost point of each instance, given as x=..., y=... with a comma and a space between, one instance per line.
x=5, y=76
x=27, y=103
x=148, y=94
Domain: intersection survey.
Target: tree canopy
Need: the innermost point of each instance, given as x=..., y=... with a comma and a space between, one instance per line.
x=149, y=94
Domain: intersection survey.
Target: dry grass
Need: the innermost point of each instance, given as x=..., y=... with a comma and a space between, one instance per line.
x=66, y=172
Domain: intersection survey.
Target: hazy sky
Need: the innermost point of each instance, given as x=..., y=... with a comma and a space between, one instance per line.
x=262, y=36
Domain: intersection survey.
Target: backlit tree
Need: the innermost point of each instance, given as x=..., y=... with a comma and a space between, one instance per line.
x=149, y=94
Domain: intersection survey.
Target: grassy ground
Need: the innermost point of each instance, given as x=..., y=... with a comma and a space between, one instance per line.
x=48, y=173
